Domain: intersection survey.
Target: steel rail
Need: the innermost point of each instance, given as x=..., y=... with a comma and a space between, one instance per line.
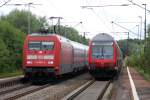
x=27, y=92
x=83, y=88
x=78, y=91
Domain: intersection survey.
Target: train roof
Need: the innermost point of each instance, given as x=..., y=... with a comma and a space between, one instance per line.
x=40, y=34
x=63, y=39
x=78, y=45
x=103, y=37
x=74, y=44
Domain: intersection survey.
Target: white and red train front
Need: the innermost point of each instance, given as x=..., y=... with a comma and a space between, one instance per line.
x=104, y=56
x=50, y=55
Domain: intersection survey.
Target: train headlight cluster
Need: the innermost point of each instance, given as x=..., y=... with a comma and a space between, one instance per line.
x=31, y=56
x=48, y=56
x=50, y=62
x=29, y=62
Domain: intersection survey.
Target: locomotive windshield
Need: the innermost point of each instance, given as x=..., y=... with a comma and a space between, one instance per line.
x=41, y=45
x=102, y=50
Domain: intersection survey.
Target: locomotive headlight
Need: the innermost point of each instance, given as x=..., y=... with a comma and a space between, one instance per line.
x=50, y=62
x=31, y=56
x=48, y=56
x=29, y=62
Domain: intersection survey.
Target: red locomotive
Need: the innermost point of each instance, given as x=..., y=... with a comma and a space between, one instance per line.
x=105, y=57
x=52, y=55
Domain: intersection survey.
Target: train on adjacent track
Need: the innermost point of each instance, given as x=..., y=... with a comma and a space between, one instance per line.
x=105, y=57
x=51, y=55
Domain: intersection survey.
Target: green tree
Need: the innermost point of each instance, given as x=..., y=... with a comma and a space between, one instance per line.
x=11, y=40
x=4, y=55
x=19, y=19
x=147, y=49
x=134, y=46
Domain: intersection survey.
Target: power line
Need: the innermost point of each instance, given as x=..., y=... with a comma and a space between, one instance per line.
x=106, y=6
x=104, y=22
x=138, y=5
x=124, y=28
x=91, y=7
x=5, y=3
x=119, y=32
x=29, y=5
x=78, y=24
x=129, y=22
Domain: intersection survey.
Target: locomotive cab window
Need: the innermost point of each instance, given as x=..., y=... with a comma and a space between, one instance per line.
x=47, y=45
x=34, y=45
x=42, y=45
x=102, y=50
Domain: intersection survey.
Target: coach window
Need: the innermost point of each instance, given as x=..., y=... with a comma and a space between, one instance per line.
x=47, y=45
x=97, y=51
x=34, y=45
x=108, y=51
x=102, y=50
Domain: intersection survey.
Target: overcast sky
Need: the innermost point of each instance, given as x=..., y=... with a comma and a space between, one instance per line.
x=94, y=20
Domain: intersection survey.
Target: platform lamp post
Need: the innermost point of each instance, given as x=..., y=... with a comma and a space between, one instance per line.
x=140, y=34
x=138, y=31
x=145, y=27
x=140, y=26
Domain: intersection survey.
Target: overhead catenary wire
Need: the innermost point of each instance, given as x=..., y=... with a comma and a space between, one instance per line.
x=138, y=5
x=100, y=19
x=106, y=17
x=5, y=3
x=125, y=28
x=93, y=6
x=29, y=5
x=107, y=6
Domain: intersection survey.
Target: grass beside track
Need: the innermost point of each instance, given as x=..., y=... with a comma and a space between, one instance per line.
x=138, y=65
x=11, y=74
x=145, y=72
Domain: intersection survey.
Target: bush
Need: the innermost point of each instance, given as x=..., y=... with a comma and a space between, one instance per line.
x=4, y=55
x=140, y=64
x=134, y=61
x=11, y=42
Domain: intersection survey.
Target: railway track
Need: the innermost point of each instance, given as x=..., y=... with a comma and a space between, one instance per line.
x=13, y=88
x=20, y=91
x=9, y=89
x=92, y=90
x=8, y=82
x=28, y=90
